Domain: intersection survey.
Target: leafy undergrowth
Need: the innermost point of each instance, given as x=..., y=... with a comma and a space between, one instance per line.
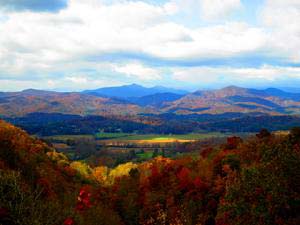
x=254, y=181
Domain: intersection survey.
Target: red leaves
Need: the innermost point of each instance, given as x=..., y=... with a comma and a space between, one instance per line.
x=188, y=183
x=233, y=142
x=155, y=177
x=69, y=221
x=184, y=178
x=154, y=171
x=198, y=182
x=84, y=199
x=183, y=173
x=206, y=152
x=70, y=171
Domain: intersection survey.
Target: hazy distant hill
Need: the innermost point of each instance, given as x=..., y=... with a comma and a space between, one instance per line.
x=291, y=89
x=283, y=94
x=156, y=100
x=132, y=90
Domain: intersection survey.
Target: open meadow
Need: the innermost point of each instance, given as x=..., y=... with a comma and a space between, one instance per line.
x=157, y=138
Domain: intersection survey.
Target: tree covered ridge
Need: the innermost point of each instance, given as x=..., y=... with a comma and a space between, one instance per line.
x=253, y=181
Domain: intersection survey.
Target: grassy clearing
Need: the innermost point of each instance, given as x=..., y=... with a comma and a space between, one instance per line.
x=172, y=137
x=145, y=155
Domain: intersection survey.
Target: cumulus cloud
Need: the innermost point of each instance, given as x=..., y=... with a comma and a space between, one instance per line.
x=224, y=40
x=281, y=18
x=139, y=71
x=209, y=75
x=33, y=5
x=43, y=42
x=75, y=33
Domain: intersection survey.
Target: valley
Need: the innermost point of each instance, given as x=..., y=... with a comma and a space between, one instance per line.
x=112, y=149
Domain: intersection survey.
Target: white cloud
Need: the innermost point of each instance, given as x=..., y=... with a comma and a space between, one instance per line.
x=209, y=75
x=77, y=79
x=40, y=41
x=216, y=9
x=225, y=40
x=209, y=10
x=44, y=42
x=80, y=82
x=281, y=18
x=137, y=70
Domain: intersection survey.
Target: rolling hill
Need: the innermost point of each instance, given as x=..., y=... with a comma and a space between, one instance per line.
x=14, y=104
x=236, y=99
x=227, y=100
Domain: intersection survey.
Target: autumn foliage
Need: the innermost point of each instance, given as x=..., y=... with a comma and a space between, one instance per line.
x=249, y=182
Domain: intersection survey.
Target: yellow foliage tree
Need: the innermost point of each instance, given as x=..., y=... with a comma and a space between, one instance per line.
x=121, y=170
x=101, y=174
x=84, y=169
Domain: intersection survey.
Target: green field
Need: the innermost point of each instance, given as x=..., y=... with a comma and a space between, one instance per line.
x=103, y=135
x=159, y=137
x=145, y=155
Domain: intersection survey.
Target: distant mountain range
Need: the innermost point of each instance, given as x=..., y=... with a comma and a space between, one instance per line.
x=155, y=100
x=135, y=99
x=235, y=99
x=132, y=91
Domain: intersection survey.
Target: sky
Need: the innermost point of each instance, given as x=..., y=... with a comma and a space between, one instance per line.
x=73, y=45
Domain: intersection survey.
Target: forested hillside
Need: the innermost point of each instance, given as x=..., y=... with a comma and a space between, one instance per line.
x=254, y=181
x=139, y=100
